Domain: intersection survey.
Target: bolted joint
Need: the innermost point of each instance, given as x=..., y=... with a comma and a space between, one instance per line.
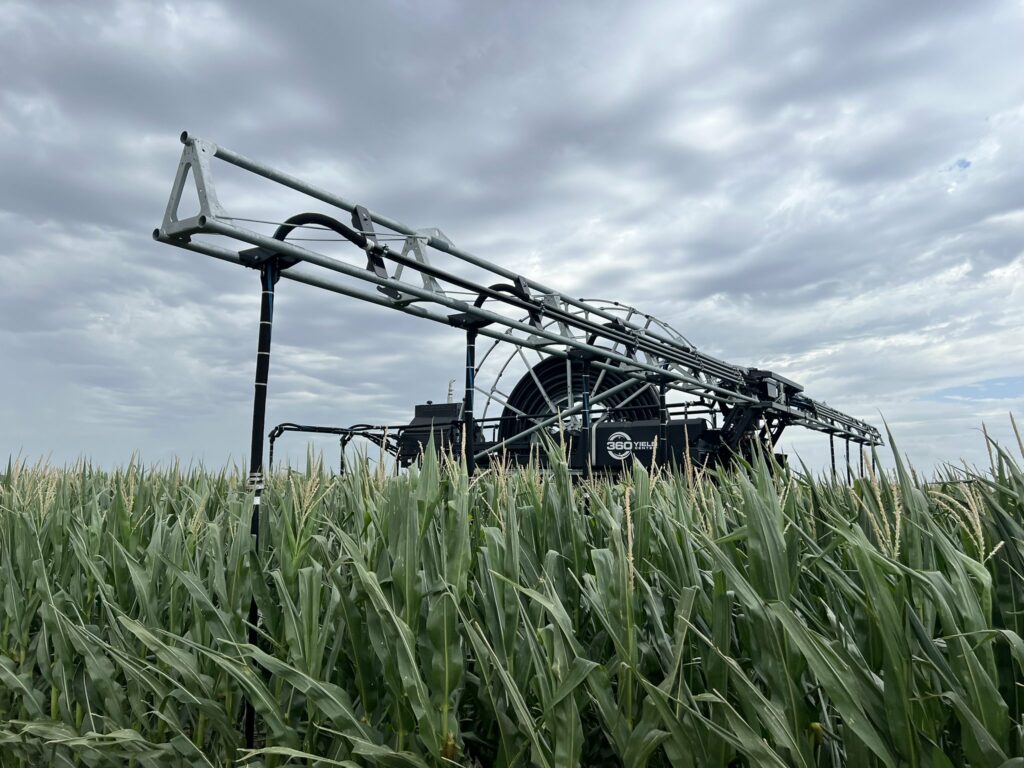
x=467, y=321
x=661, y=379
x=256, y=257
x=582, y=355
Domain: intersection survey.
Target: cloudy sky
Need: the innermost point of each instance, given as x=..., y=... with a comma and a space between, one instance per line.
x=832, y=190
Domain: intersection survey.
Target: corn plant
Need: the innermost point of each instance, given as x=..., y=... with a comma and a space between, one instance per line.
x=746, y=617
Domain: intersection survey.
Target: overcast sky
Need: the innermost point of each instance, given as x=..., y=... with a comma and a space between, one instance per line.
x=832, y=190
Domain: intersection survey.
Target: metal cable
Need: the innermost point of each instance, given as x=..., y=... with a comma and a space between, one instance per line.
x=317, y=227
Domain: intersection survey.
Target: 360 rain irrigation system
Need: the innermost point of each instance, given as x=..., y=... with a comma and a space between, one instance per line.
x=617, y=385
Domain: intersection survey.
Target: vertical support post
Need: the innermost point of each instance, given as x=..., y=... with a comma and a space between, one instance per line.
x=341, y=457
x=832, y=450
x=849, y=469
x=585, y=414
x=472, y=326
x=686, y=438
x=662, y=423
x=268, y=276
x=862, y=461
x=469, y=425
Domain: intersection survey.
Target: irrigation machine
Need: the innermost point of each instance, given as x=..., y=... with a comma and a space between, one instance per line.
x=615, y=384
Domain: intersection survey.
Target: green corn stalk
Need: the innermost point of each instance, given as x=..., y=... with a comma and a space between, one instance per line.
x=755, y=616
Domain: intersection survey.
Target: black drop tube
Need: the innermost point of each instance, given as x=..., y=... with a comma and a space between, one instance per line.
x=469, y=425
x=268, y=276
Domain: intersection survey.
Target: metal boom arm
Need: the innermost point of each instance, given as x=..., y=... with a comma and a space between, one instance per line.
x=551, y=322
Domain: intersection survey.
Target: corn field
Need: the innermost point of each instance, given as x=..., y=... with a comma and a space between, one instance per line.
x=759, y=617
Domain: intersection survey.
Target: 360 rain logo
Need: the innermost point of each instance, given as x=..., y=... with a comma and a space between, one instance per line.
x=620, y=446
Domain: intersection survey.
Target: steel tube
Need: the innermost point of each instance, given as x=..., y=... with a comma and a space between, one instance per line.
x=679, y=353
x=216, y=226
x=299, y=276
x=296, y=274
x=682, y=356
x=241, y=161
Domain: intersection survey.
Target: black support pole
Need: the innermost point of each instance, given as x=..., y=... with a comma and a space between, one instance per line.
x=268, y=276
x=849, y=469
x=832, y=450
x=662, y=423
x=469, y=425
x=585, y=372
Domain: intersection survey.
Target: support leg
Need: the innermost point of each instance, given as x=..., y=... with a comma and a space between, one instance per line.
x=268, y=276
x=585, y=414
x=469, y=425
x=662, y=424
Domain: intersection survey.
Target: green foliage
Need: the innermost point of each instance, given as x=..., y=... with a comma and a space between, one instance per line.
x=747, y=618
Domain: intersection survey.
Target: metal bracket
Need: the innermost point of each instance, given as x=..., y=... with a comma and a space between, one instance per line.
x=194, y=163
x=364, y=224
x=551, y=301
x=414, y=247
x=374, y=261
x=256, y=257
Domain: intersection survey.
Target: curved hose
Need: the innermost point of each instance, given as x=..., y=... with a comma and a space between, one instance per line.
x=322, y=220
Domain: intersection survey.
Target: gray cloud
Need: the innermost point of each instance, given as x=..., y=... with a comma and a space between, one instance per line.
x=834, y=190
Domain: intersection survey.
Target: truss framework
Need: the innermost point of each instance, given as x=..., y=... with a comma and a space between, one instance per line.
x=544, y=319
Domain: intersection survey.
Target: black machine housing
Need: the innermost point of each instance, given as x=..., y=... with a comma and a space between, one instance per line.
x=647, y=433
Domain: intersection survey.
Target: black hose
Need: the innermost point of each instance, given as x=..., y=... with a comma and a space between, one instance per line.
x=322, y=220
